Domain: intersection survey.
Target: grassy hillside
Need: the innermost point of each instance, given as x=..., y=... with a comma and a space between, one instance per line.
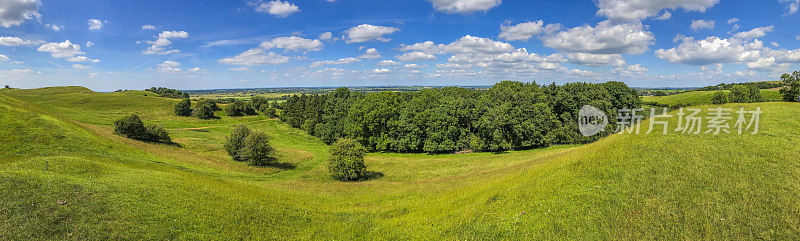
x=58, y=146
x=703, y=97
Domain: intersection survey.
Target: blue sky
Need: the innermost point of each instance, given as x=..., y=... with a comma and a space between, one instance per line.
x=108, y=45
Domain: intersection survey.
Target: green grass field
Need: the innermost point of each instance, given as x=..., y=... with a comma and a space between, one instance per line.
x=703, y=97
x=57, y=145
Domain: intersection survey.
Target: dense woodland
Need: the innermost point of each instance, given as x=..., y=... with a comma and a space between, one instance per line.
x=507, y=116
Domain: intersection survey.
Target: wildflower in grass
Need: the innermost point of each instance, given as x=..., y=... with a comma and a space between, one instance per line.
x=691, y=123
x=654, y=120
x=718, y=120
x=753, y=123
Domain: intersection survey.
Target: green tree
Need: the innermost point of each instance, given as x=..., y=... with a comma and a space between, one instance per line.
x=719, y=98
x=347, y=160
x=183, y=108
x=257, y=150
x=131, y=126
x=204, y=109
x=739, y=94
x=754, y=94
x=791, y=93
x=236, y=142
x=239, y=108
x=157, y=133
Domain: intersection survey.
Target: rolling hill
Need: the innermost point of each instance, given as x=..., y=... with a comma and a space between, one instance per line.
x=64, y=175
x=693, y=98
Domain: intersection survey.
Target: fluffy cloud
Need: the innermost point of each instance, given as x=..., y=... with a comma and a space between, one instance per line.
x=15, y=12
x=278, y=8
x=148, y=27
x=702, y=24
x=381, y=71
x=371, y=53
x=326, y=36
x=169, y=67
x=388, y=62
x=293, y=43
x=605, y=38
x=755, y=33
x=525, y=31
x=332, y=62
x=464, y=6
x=636, y=10
x=159, y=46
x=416, y=57
x=61, y=50
x=4, y=57
x=95, y=24
x=255, y=57
x=366, y=32
x=16, y=41
x=596, y=59
x=709, y=51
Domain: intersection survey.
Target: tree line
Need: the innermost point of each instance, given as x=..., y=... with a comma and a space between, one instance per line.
x=168, y=93
x=507, y=116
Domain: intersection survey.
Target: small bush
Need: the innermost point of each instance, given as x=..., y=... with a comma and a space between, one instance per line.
x=156, y=133
x=257, y=150
x=236, y=141
x=719, y=98
x=132, y=127
x=739, y=94
x=239, y=108
x=205, y=109
x=347, y=160
x=184, y=108
x=791, y=93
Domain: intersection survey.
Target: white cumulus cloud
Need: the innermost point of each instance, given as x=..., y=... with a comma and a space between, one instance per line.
x=15, y=12
x=367, y=32
x=635, y=10
x=61, y=50
x=255, y=57
x=464, y=6
x=605, y=38
x=278, y=8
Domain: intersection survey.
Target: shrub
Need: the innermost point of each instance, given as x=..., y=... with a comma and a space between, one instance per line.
x=257, y=150
x=754, y=94
x=347, y=160
x=719, y=98
x=239, y=108
x=132, y=127
x=157, y=133
x=791, y=93
x=236, y=142
x=739, y=94
x=184, y=108
x=204, y=109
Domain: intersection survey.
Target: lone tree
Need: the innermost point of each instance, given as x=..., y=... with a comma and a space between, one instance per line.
x=184, y=108
x=205, y=109
x=719, y=98
x=235, y=142
x=132, y=127
x=347, y=160
x=257, y=150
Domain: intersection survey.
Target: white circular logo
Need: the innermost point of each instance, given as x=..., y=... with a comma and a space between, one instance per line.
x=591, y=120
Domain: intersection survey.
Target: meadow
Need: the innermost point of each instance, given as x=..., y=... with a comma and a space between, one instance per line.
x=64, y=175
x=693, y=98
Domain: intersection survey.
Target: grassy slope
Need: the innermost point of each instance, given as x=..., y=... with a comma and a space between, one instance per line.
x=703, y=97
x=629, y=186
